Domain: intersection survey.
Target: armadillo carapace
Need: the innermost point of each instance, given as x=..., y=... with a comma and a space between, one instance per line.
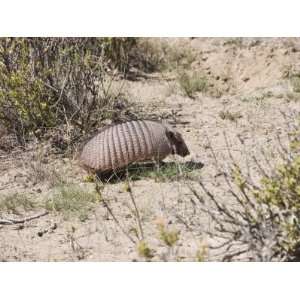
x=119, y=145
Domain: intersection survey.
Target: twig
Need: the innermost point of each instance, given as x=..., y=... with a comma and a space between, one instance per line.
x=105, y=204
x=228, y=257
x=136, y=211
x=10, y=221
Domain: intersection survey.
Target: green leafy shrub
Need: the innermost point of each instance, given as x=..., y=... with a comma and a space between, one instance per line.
x=48, y=82
x=283, y=193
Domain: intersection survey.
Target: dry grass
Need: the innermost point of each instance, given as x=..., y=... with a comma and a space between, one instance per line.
x=16, y=203
x=295, y=82
x=71, y=201
x=231, y=116
x=192, y=83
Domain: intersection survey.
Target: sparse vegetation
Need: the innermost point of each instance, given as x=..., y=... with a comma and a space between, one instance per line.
x=295, y=82
x=47, y=83
x=192, y=83
x=292, y=74
x=144, y=250
x=38, y=171
x=16, y=203
x=263, y=224
x=163, y=172
x=201, y=254
x=231, y=116
x=293, y=96
x=169, y=237
x=72, y=201
x=178, y=58
x=238, y=42
x=241, y=205
x=258, y=98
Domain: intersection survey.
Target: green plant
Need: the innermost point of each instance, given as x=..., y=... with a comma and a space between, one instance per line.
x=148, y=55
x=192, y=83
x=227, y=115
x=16, y=203
x=258, y=98
x=201, y=253
x=72, y=201
x=49, y=82
x=238, y=42
x=177, y=57
x=144, y=250
x=281, y=194
x=293, y=96
x=295, y=82
x=163, y=172
x=169, y=237
x=118, y=51
x=262, y=221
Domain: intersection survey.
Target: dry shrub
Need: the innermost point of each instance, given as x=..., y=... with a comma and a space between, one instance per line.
x=192, y=83
x=49, y=82
x=261, y=220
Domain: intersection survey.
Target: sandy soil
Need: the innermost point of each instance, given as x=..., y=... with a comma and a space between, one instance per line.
x=247, y=78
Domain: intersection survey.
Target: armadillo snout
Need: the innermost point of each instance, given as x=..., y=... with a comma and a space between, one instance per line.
x=178, y=144
x=182, y=149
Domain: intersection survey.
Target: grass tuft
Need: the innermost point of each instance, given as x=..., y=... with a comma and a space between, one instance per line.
x=192, y=83
x=163, y=172
x=231, y=116
x=295, y=82
x=16, y=203
x=144, y=250
x=72, y=201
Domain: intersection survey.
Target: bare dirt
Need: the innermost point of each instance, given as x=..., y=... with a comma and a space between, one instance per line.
x=249, y=102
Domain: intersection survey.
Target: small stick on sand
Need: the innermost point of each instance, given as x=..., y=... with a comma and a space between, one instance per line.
x=10, y=221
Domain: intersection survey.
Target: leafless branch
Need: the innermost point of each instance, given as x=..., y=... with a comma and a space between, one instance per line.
x=11, y=221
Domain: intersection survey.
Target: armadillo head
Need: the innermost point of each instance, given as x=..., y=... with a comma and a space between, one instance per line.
x=178, y=144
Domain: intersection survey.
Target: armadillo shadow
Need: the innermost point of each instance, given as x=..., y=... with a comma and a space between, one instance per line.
x=160, y=171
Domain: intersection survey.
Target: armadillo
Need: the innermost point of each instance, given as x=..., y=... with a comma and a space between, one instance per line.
x=119, y=145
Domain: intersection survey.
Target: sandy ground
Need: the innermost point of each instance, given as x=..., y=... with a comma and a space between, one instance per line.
x=247, y=78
